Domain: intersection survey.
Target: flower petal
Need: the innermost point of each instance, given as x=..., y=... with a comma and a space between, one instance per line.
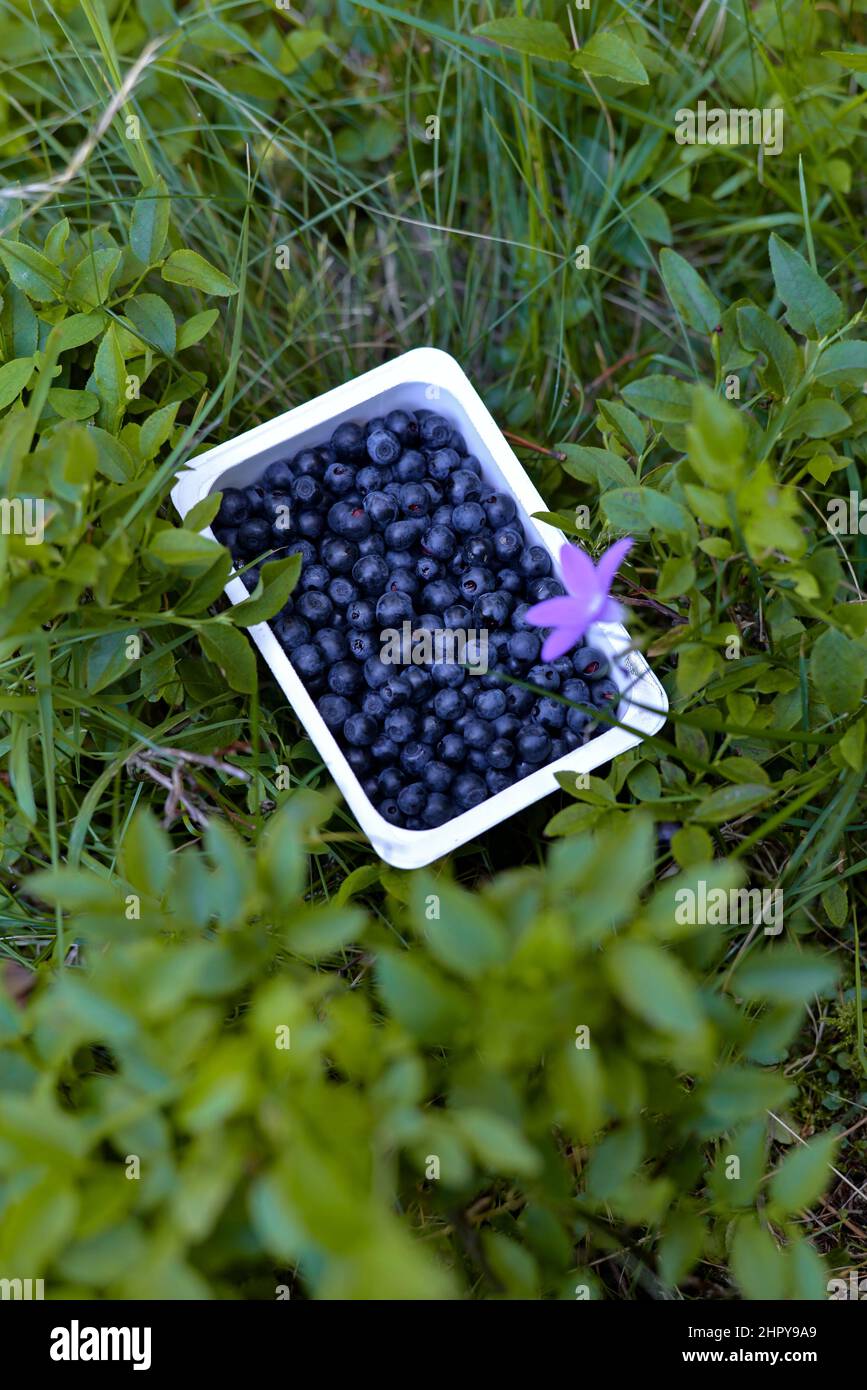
x=578, y=572
x=610, y=562
x=561, y=611
x=561, y=640
x=611, y=612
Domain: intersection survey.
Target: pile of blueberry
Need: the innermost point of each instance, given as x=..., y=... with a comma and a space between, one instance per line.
x=395, y=522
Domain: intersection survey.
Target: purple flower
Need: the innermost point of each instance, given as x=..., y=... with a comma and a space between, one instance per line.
x=588, y=600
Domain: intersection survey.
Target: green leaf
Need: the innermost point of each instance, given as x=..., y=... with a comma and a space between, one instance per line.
x=716, y=439
x=607, y=55
x=195, y=328
x=539, y=38
x=154, y=320
x=183, y=550
x=854, y=61
x=643, y=509
x=319, y=933
x=499, y=1146
x=728, y=803
x=146, y=855
x=155, y=431
x=14, y=376
x=689, y=294
x=663, y=398
x=149, y=222
x=598, y=466
x=109, y=377
x=783, y=973
x=614, y=1163
x=91, y=279
x=837, y=669
x=189, y=268
x=812, y=308
x=228, y=649
x=107, y=661
x=423, y=1003
x=628, y=426
x=461, y=932
x=803, y=1175
x=78, y=329
x=202, y=513
x=843, y=364
x=681, y=1245
x=760, y=333
x=73, y=405
x=653, y=984
x=818, y=419
x=276, y=582
x=32, y=272
x=758, y=1266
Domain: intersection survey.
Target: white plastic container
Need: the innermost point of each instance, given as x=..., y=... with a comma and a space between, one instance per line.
x=423, y=378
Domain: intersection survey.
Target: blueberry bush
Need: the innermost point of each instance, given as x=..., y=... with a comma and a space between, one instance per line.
x=240, y=1057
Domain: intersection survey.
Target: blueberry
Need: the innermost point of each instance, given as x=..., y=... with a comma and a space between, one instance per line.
x=501, y=753
x=400, y=724
x=370, y=478
x=255, y=496
x=605, y=694
x=233, y=507
x=590, y=663
x=361, y=613
x=507, y=726
x=511, y=581
x=348, y=521
x=389, y=810
x=339, y=478
x=385, y=750
x=435, y=431
x=344, y=677
x=254, y=536
x=306, y=491
x=492, y=610
x=508, y=545
x=437, y=776
x=533, y=743
x=419, y=682
x=452, y=750
x=534, y=562
x=438, y=810
x=227, y=536
x=335, y=710
x=331, y=643
x=361, y=645
x=314, y=577
x=550, y=713
x=339, y=554
x=359, y=760
x=404, y=424
x=442, y=463
x=308, y=661
x=291, y=632
x=400, y=535
x=347, y=441
x=440, y=542
x=412, y=798
x=476, y=581
x=402, y=581
x=577, y=690
x=374, y=705
x=393, y=608
x=463, y=486
x=447, y=673
x=497, y=780
x=414, y=756
x=459, y=444
x=540, y=589
x=449, y=704
x=467, y=518
x=477, y=759
x=468, y=790
x=544, y=676
x=518, y=700
x=377, y=673
x=383, y=447
x=315, y=606
x=569, y=739
x=341, y=591
x=396, y=693
x=309, y=524
x=371, y=545
x=490, y=704
x=499, y=508
x=411, y=467
x=432, y=729
x=457, y=615
x=308, y=464
x=381, y=508
x=478, y=733
x=427, y=569
x=479, y=549
x=414, y=500
x=370, y=573
x=524, y=647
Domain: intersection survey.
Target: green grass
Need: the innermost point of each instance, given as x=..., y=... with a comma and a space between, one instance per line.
x=265, y=138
